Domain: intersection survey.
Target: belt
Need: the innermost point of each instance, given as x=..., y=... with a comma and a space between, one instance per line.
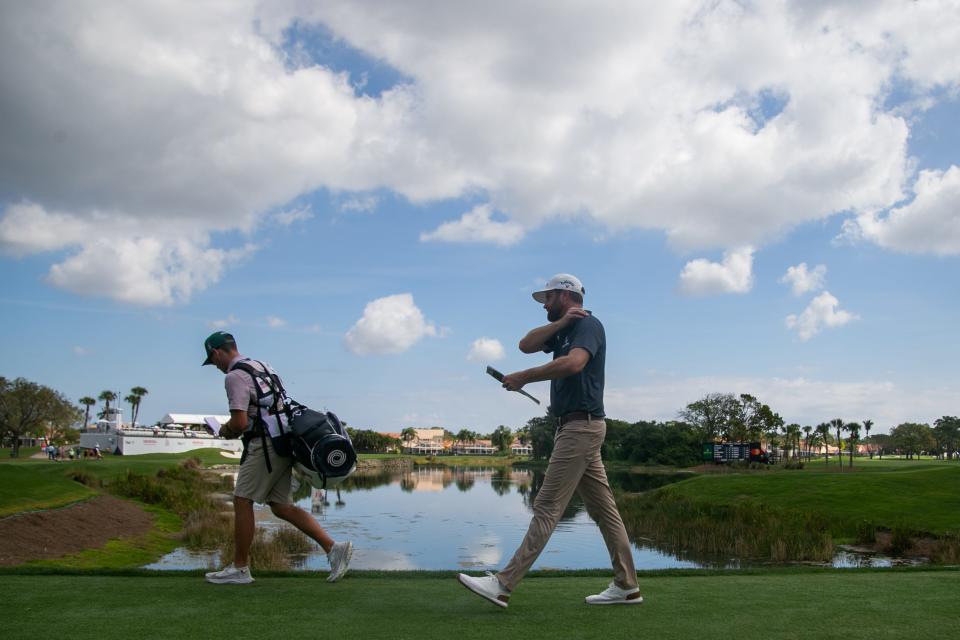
x=575, y=415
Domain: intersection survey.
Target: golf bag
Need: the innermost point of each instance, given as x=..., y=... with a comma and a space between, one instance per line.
x=321, y=446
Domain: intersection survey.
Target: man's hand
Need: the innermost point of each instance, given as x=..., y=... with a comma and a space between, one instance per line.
x=536, y=338
x=235, y=426
x=514, y=381
x=573, y=313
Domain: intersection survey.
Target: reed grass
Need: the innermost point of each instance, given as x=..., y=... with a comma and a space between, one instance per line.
x=292, y=541
x=947, y=550
x=746, y=530
x=207, y=530
x=265, y=553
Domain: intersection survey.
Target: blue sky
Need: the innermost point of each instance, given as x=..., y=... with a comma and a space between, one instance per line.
x=360, y=193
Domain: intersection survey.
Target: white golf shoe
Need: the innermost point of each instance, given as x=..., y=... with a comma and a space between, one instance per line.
x=487, y=587
x=615, y=595
x=339, y=558
x=230, y=575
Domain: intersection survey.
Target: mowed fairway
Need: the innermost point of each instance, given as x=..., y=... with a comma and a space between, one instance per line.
x=786, y=604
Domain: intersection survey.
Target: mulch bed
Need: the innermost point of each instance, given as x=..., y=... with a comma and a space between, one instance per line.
x=58, y=532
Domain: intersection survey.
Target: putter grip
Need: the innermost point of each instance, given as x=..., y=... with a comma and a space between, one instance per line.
x=496, y=374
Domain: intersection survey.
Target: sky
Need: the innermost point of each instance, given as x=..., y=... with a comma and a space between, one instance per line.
x=759, y=197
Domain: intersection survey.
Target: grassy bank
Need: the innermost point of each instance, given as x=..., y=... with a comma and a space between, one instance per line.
x=27, y=485
x=771, y=605
x=122, y=553
x=159, y=483
x=924, y=496
x=30, y=486
x=775, y=515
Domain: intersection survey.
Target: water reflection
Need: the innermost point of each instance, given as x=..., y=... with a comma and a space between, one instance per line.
x=439, y=517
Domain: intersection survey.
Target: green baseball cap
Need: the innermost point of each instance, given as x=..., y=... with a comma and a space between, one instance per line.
x=216, y=340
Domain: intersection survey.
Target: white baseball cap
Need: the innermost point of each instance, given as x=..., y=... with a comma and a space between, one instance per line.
x=560, y=282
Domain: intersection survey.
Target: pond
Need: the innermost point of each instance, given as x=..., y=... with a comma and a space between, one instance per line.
x=441, y=518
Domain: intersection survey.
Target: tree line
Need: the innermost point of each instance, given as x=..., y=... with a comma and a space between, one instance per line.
x=31, y=409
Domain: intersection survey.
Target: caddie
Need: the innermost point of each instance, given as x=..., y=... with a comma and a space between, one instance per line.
x=255, y=395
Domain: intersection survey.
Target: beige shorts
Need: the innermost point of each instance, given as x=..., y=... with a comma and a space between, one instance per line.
x=255, y=483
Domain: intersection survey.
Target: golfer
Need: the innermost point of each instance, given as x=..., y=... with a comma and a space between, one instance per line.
x=259, y=480
x=577, y=341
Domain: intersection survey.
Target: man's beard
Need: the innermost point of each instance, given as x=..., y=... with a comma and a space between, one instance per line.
x=554, y=314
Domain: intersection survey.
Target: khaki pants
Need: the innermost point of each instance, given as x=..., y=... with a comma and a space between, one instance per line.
x=575, y=466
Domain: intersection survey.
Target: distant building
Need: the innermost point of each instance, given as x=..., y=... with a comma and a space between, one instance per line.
x=427, y=441
x=475, y=448
x=521, y=449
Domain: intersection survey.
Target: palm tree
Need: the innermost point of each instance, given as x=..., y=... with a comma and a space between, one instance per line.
x=793, y=434
x=408, y=434
x=138, y=393
x=838, y=424
x=463, y=435
x=106, y=397
x=814, y=443
x=88, y=402
x=866, y=427
x=853, y=428
x=823, y=430
x=806, y=445
x=132, y=401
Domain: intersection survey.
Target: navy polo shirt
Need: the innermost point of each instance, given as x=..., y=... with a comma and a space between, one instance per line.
x=582, y=391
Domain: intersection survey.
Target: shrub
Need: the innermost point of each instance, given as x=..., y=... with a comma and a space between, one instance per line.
x=866, y=533
x=85, y=478
x=901, y=540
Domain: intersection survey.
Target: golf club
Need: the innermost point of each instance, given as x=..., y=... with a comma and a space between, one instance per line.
x=499, y=377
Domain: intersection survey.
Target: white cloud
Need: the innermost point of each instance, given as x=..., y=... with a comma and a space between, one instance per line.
x=802, y=400
x=81, y=351
x=118, y=256
x=389, y=325
x=298, y=214
x=229, y=321
x=276, y=323
x=721, y=125
x=28, y=228
x=822, y=312
x=802, y=281
x=733, y=275
x=486, y=350
x=142, y=271
x=930, y=223
x=360, y=204
x=476, y=226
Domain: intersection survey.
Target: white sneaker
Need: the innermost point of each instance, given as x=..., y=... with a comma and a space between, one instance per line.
x=488, y=587
x=339, y=558
x=615, y=595
x=230, y=575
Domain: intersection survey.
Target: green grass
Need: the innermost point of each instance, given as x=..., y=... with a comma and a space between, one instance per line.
x=27, y=485
x=846, y=605
x=922, y=496
x=23, y=452
x=38, y=485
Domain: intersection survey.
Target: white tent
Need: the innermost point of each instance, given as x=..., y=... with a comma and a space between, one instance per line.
x=189, y=419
